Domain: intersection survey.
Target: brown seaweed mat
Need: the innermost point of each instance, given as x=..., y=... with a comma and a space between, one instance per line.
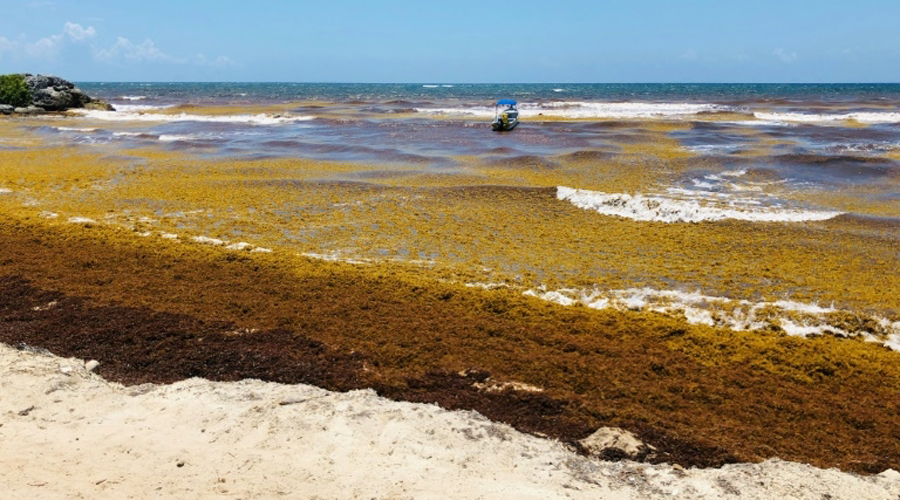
x=154, y=311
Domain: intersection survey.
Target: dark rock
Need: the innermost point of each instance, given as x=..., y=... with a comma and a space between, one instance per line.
x=52, y=99
x=99, y=105
x=55, y=94
x=6, y=109
x=38, y=82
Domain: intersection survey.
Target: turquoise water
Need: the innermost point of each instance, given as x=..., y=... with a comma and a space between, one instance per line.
x=209, y=93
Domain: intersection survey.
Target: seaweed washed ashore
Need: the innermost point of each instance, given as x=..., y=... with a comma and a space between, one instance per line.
x=153, y=242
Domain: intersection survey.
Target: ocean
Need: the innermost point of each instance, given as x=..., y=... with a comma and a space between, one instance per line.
x=394, y=122
x=750, y=206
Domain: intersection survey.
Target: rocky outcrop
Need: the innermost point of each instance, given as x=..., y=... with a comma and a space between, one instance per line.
x=55, y=94
x=52, y=93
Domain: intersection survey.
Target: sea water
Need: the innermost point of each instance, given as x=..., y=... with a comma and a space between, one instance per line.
x=804, y=137
x=757, y=153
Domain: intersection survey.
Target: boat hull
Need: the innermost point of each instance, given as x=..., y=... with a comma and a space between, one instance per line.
x=498, y=126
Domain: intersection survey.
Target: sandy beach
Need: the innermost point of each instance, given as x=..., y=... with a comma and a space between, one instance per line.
x=66, y=433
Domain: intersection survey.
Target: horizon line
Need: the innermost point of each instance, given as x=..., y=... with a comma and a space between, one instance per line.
x=439, y=82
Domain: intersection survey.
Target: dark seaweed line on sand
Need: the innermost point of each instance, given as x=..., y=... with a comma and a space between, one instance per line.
x=139, y=345
x=159, y=312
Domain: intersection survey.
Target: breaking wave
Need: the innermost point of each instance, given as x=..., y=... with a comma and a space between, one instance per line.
x=576, y=109
x=867, y=117
x=138, y=116
x=691, y=208
x=793, y=318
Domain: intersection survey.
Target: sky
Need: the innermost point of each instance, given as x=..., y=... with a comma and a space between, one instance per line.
x=454, y=41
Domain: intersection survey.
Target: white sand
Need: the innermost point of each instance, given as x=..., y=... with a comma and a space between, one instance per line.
x=66, y=433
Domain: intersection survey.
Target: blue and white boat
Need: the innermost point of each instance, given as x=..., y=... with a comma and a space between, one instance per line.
x=506, y=115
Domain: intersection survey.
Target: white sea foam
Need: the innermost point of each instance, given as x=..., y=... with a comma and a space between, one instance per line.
x=133, y=97
x=188, y=137
x=699, y=208
x=135, y=108
x=893, y=341
x=259, y=119
x=75, y=129
x=81, y=220
x=793, y=318
x=241, y=245
x=335, y=256
x=127, y=134
x=760, y=123
x=577, y=109
x=868, y=117
x=173, y=138
x=208, y=241
x=430, y=86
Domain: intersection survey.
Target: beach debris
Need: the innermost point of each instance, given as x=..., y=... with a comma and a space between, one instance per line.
x=91, y=365
x=613, y=443
x=491, y=385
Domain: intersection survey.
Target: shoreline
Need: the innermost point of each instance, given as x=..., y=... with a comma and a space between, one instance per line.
x=156, y=311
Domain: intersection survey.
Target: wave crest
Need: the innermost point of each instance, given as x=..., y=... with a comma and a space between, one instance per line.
x=659, y=208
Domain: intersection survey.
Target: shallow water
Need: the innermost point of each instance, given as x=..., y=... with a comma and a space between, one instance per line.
x=809, y=173
x=803, y=138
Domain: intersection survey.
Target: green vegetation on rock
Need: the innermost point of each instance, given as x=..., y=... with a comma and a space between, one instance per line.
x=14, y=91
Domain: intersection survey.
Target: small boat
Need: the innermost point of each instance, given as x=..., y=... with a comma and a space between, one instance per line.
x=506, y=115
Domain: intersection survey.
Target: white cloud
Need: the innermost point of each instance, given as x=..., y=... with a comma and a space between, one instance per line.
x=47, y=47
x=786, y=57
x=125, y=49
x=79, y=34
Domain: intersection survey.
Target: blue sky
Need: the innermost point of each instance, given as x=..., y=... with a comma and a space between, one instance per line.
x=454, y=41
